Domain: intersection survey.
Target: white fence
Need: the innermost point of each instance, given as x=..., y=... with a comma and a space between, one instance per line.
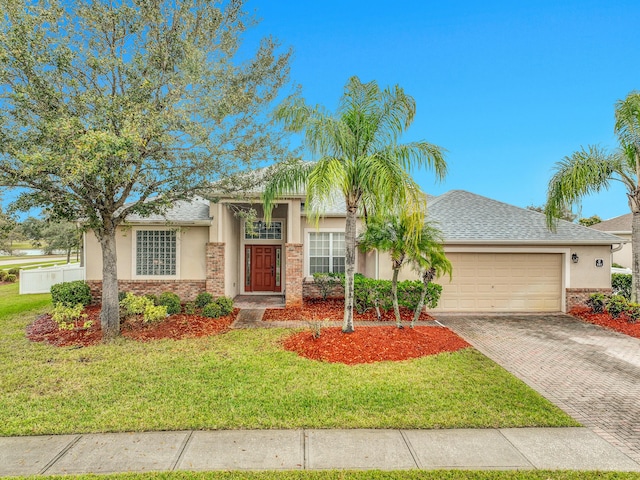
x=39, y=280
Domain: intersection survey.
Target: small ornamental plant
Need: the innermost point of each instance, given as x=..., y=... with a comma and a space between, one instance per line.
x=70, y=318
x=203, y=299
x=616, y=305
x=171, y=301
x=154, y=313
x=597, y=302
x=212, y=310
x=226, y=305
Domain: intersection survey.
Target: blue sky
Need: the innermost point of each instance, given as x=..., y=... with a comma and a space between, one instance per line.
x=508, y=88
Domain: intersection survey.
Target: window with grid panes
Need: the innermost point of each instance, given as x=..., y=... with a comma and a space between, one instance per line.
x=155, y=252
x=263, y=231
x=326, y=252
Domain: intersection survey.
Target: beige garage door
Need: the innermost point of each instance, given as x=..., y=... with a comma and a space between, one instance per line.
x=503, y=282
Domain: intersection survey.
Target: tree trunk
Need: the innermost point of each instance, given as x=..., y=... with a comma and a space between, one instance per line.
x=427, y=276
x=394, y=295
x=69, y=255
x=350, y=268
x=635, y=256
x=109, y=317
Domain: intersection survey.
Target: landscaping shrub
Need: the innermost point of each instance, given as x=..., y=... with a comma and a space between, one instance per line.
x=171, y=301
x=326, y=282
x=190, y=308
x=71, y=293
x=370, y=293
x=11, y=278
x=621, y=284
x=3, y=275
x=597, y=302
x=132, y=305
x=152, y=297
x=203, y=299
x=14, y=271
x=633, y=312
x=225, y=304
x=154, y=313
x=121, y=296
x=69, y=318
x=212, y=310
x=616, y=305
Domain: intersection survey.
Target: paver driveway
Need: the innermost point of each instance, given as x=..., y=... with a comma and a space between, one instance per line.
x=591, y=373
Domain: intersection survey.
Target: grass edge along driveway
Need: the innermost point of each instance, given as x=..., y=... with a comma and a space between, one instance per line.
x=244, y=379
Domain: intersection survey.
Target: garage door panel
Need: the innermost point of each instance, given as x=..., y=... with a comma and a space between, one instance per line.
x=503, y=282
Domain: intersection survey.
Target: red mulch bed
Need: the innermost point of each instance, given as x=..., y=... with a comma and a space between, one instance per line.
x=333, y=309
x=175, y=327
x=620, y=324
x=374, y=344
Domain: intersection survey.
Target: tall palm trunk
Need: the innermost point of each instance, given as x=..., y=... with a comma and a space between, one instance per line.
x=427, y=277
x=350, y=268
x=394, y=295
x=635, y=256
x=109, y=316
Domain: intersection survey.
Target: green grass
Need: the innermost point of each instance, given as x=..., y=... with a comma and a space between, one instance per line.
x=243, y=379
x=363, y=475
x=12, y=304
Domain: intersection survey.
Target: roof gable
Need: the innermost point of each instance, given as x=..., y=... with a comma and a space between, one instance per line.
x=617, y=224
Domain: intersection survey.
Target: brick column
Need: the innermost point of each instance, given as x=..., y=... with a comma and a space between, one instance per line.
x=294, y=275
x=215, y=269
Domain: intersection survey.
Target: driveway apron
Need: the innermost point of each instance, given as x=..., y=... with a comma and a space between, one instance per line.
x=591, y=373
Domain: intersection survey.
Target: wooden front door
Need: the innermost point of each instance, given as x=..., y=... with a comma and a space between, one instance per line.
x=263, y=269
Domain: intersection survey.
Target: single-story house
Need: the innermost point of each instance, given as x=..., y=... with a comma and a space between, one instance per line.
x=620, y=227
x=504, y=257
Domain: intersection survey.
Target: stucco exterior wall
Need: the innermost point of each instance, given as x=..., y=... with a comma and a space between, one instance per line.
x=623, y=256
x=585, y=273
x=192, y=246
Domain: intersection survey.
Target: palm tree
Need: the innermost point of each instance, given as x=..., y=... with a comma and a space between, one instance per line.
x=593, y=169
x=430, y=261
x=393, y=234
x=359, y=157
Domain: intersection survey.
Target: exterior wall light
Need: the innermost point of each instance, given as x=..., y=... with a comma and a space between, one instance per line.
x=574, y=258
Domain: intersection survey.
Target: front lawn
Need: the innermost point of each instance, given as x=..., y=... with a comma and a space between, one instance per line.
x=245, y=379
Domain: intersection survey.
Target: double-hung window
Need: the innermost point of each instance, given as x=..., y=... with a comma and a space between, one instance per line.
x=156, y=253
x=326, y=252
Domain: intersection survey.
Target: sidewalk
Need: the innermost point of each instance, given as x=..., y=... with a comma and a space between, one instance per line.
x=492, y=449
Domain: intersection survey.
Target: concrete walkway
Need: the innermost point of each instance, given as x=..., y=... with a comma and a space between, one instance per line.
x=591, y=373
x=495, y=449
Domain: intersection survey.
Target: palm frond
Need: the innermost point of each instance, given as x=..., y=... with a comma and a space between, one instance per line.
x=585, y=172
x=288, y=177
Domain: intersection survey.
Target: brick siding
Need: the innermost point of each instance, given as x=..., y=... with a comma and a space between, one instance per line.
x=294, y=275
x=215, y=269
x=577, y=297
x=187, y=290
x=311, y=290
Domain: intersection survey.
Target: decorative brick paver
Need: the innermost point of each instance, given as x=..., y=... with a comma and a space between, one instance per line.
x=591, y=373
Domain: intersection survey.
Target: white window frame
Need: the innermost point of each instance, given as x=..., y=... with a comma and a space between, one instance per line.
x=134, y=253
x=307, y=250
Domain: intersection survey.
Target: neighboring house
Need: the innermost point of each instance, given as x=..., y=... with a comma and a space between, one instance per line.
x=504, y=257
x=621, y=227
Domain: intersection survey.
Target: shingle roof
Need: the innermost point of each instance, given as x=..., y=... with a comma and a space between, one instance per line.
x=617, y=224
x=465, y=217
x=462, y=216
x=182, y=212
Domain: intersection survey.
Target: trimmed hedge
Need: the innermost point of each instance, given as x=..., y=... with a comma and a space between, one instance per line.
x=621, y=284
x=71, y=293
x=171, y=301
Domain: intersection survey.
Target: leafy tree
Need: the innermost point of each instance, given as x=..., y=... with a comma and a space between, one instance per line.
x=587, y=222
x=62, y=236
x=7, y=227
x=592, y=169
x=393, y=234
x=33, y=228
x=430, y=261
x=359, y=158
x=115, y=108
